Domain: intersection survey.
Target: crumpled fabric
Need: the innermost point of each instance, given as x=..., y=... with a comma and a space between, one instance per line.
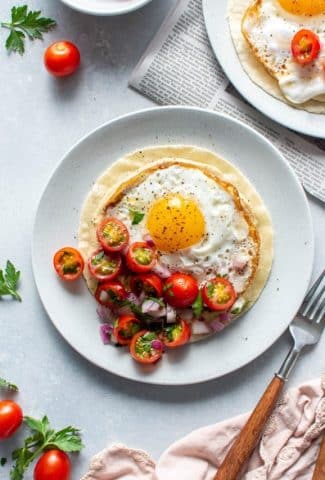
x=288, y=448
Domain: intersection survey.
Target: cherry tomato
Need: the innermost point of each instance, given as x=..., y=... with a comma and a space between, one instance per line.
x=140, y=257
x=142, y=347
x=53, y=465
x=125, y=329
x=110, y=292
x=180, y=290
x=62, y=58
x=11, y=417
x=305, y=46
x=104, y=266
x=219, y=294
x=68, y=263
x=149, y=283
x=112, y=235
x=176, y=334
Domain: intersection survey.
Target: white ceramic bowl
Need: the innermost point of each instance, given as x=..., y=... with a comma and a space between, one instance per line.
x=106, y=7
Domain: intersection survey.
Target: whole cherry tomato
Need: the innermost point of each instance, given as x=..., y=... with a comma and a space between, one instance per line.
x=53, y=465
x=11, y=417
x=62, y=58
x=181, y=290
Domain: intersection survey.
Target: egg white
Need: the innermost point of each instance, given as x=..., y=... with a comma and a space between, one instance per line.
x=226, y=240
x=270, y=30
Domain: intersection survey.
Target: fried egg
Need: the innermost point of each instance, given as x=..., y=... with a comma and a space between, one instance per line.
x=269, y=26
x=197, y=222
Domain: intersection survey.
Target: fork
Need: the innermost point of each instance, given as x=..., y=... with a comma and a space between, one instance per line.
x=306, y=329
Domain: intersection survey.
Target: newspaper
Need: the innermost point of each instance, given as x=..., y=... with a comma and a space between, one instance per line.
x=179, y=67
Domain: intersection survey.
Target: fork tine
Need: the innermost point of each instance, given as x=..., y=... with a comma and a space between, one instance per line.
x=320, y=312
x=315, y=304
x=309, y=301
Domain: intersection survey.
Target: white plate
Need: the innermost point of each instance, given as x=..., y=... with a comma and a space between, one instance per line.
x=73, y=310
x=215, y=14
x=106, y=7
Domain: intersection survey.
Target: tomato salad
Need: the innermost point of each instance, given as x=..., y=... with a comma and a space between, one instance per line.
x=143, y=307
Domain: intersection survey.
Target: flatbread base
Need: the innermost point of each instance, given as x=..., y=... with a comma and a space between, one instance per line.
x=124, y=168
x=256, y=70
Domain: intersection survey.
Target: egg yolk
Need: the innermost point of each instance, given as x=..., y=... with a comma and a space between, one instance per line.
x=175, y=222
x=303, y=7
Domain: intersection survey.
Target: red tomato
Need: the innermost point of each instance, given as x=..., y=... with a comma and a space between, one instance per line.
x=53, y=465
x=219, y=294
x=62, y=58
x=68, y=264
x=305, y=46
x=108, y=291
x=140, y=257
x=142, y=347
x=181, y=290
x=176, y=334
x=149, y=283
x=104, y=266
x=112, y=235
x=127, y=326
x=11, y=417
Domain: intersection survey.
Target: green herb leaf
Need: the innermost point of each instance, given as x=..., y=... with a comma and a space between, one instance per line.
x=157, y=300
x=43, y=438
x=25, y=23
x=210, y=289
x=10, y=386
x=197, y=306
x=3, y=461
x=9, y=281
x=137, y=217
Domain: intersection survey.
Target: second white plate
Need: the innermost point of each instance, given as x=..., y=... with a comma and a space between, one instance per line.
x=106, y=7
x=73, y=310
x=215, y=14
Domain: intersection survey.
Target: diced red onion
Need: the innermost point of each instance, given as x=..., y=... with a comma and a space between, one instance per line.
x=148, y=239
x=142, y=297
x=150, y=306
x=104, y=296
x=159, y=313
x=170, y=314
x=105, y=314
x=157, y=344
x=105, y=331
x=133, y=298
x=161, y=270
x=224, y=317
x=217, y=326
x=200, y=328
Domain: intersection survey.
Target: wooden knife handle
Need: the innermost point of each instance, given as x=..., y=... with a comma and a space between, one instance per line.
x=247, y=440
x=319, y=472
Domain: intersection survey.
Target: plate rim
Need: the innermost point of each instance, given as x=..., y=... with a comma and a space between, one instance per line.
x=107, y=13
x=134, y=114
x=251, y=92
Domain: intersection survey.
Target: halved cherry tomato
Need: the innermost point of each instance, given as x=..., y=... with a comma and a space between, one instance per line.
x=127, y=326
x=53, y=465
x=219, y=294
x=149, y=283
x=140, y=257
x=142, y=349
x=62, y=58
x=104, y=266
x=180, y=290
x=68, y=263
x=176, y=334
x=110, y=292
x=305, y=46
x=11, y=417
x=112, y=235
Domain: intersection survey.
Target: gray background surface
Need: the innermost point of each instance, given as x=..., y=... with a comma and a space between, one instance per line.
x=41, y=118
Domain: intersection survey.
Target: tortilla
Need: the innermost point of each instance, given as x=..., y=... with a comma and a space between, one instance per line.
x=108, y=185
x=255, y=69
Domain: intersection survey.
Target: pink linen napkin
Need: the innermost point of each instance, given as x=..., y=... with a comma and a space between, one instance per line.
x=288, y=448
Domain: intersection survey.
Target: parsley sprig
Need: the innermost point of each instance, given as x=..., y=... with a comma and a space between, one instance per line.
x=9, y=280
x=10, y=386
x=43, y=438
x=25, y=23
x=197, y=306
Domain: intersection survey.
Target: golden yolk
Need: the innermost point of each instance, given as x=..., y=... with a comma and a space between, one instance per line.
x=303, y=7
x=175, y=222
